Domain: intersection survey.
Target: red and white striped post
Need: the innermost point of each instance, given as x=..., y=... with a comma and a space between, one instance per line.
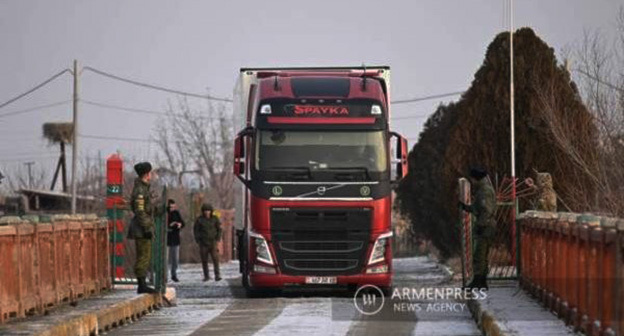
x=114, y=209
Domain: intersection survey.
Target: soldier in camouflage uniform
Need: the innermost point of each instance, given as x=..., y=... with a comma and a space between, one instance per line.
x=484, y=209
x=142, y=225
x=547, y=197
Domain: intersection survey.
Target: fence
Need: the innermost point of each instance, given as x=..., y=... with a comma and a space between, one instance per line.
x=48, y=261
x=574, y=264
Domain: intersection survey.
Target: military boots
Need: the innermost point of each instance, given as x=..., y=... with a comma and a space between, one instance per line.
x=143, y=288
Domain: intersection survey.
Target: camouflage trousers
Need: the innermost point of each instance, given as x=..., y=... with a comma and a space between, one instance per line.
x=482, y=242
x=143, y=257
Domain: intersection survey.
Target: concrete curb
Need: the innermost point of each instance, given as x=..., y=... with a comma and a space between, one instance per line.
x=485, y=320
x=116, y=315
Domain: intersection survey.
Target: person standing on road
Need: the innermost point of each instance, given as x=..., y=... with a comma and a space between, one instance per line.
x=142, y=225
x=175, y=223
x=207, y=232
x=484, y=209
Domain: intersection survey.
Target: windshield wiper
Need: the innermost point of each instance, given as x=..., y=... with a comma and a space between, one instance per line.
x=353, y=170
x=305, y=170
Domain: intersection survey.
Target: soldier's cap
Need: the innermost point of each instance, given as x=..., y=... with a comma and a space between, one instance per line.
x=207, y=207
x=142, y=168
x=478, y=173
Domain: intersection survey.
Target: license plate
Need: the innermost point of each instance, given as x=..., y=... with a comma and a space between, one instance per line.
x=321, y=280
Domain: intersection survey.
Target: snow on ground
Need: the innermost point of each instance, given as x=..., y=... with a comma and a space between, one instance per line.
x=221, y=308
x=306, y=318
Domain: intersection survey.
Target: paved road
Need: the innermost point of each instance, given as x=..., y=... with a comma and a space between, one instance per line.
x=222, y=309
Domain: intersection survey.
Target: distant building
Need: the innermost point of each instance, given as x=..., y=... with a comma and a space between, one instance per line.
x=30, y=201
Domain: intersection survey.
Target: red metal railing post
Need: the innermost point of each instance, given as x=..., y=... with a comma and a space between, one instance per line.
x=550, y=225
x=561, y=265
x=524, y=238
x=10, y=263
x=619, y=283
x=533, y=253
x=596, y=251
x=586, y=271
x=564, y=247
x=608, y=282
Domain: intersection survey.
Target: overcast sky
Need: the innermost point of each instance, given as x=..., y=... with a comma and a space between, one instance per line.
x=432, y=46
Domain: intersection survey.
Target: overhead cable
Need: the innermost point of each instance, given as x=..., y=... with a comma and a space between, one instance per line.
x=37, y=87
x=155, y=87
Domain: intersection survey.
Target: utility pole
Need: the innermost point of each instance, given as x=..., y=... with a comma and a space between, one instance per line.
x=515, y=238
x=76, y=74
x=511, y=103
x=29, y=165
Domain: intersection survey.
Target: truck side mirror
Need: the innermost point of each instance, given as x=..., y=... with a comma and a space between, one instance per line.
x=240, y=151
x=400, y=159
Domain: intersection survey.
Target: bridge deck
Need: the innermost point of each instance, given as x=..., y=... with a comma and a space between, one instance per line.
x=512, y=311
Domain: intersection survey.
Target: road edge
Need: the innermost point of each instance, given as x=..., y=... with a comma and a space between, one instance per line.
x=115, y=315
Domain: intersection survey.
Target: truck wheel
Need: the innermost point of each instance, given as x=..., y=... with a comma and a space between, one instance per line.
x=252, y=293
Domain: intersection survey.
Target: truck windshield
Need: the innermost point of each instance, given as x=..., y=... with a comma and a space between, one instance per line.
x=310, y=151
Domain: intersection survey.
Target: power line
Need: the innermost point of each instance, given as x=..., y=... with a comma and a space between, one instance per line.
x=603, y=82
x=140, y=110
x=33, y=109
x=155, y=87
x=44, y=83
x=419, y=99
x=103, y=137
x=122, y=108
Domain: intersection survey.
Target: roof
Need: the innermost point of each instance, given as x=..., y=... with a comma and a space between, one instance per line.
x=51, y=193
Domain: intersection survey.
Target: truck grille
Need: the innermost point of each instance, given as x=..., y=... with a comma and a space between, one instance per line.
x=320, y=241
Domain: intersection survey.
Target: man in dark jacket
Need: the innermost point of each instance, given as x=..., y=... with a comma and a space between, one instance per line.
x=174, y=225
x=484, y=209
x=142, y=225
x=207, y=231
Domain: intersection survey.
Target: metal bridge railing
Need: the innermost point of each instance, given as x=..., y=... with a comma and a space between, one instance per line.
x=50, y=260
x=574, y=264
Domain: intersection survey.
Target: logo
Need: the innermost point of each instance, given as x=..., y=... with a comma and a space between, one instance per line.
x=369, y=300
x=320, y=110
x=365, y=191
x=277, y=190
x=321, y=190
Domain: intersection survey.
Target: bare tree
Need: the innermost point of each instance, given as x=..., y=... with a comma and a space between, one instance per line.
x=199, y=141
x=598, y=68
x=18, y=179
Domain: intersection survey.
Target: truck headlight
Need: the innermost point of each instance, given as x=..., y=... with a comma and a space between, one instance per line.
x=379, y=249
x=265, y=109
x=383, y=268
x=262, y=248
x=376, y=110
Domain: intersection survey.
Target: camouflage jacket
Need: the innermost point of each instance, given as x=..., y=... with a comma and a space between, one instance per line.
x=141, y=205
x=547, y=197
x=484, y=204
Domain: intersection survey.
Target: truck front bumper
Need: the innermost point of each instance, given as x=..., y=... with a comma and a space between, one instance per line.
x=260, y=280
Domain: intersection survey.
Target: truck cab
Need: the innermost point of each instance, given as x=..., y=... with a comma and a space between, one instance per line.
x=317, y=161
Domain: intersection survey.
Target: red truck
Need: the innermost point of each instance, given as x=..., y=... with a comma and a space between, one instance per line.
x=317, y=162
